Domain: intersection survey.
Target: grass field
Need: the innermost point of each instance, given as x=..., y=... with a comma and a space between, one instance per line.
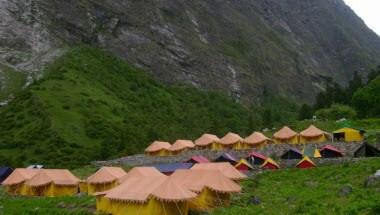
x=288, y=191
x=311, y=191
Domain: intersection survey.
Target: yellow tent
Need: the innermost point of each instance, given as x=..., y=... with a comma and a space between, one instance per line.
x=52, y=183
x=141, y=172
x=286, y=135
x=348, y=135
x=224, y=167
x=313, y=135
x=15, y=183
x=158, y=148
x=104, y=179
x=233, y=141
x=257, y=140
x=213, y=188
x=145, y=196
x=180, y=146
x=208, y=141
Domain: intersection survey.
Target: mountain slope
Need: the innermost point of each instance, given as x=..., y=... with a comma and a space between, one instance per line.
x=91, y=105
x=236, y=47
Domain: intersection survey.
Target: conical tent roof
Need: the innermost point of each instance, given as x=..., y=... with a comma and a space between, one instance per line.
x=258, y=155
x=306, y=159
x=197, y=180
x=141, y=189
x=157, y=146
x=55, y=176
x=256, y=138
x=285, y=133
x=206, y=139
x=230, y=138
x=312, y=131
x=134, y=189
x=141, y=172
x=198, y=159
x=244, y=162
x=225, y=168
x=331, y=148
x=20, y=175
x=106, y=175
x=171, y=191
x=181, y=144
x=270, y=161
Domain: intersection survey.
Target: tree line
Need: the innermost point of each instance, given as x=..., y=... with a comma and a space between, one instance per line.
x=361, y=98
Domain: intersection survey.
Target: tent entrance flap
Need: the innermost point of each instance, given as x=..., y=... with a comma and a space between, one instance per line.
x=339, y=136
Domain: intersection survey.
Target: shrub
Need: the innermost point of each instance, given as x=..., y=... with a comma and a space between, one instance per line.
x=336, y=111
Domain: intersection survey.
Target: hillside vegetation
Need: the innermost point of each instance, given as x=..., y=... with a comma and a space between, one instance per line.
x=91, y=105
x=310, y=191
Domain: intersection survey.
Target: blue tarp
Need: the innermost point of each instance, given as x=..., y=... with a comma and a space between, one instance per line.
x=5, y=172
x=171, y=167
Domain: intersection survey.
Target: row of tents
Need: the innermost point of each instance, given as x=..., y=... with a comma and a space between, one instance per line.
x=255, y=158
x=143, y=190
x=256, y=140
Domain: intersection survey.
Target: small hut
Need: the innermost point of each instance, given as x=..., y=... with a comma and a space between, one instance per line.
x=213, y=188
x=305, y=163
x=180, y=146
x=226, y=157
x=232, y=141
x=243, y=165
x=292, y=153
x=208, y=141
x=158, y=148
x=257, y=140
x=285, y=135
x=256, y=158
x=313, y=135
x=104, y=179
x=329, y=151
x=348, y=135
x=367, y=150
x=270, y=164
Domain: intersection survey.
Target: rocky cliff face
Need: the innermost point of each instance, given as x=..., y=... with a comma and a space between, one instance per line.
x=237, y=47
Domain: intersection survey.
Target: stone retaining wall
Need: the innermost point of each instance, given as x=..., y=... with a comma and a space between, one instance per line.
x=271, y=150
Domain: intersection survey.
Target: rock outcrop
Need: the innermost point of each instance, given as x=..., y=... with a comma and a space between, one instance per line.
x=237, y=47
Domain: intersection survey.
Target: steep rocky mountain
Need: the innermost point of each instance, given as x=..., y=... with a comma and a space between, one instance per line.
x=238, y=47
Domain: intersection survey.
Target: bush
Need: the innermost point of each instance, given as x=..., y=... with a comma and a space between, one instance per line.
x=336, y=111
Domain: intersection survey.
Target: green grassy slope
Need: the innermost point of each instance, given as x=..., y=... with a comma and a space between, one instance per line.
x=91, y=105
x=311, y=191
x=12, y=83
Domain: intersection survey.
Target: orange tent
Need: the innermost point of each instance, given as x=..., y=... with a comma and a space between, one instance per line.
x=286, y=135
x=207, y=141
x=232, y=141
x=225, y=168
x=313, y=135
x=212, y=187
x=141, y=172
x=15, y=182
x=158, y=148
x=52, y=182
x=180, y=146
x=257, y=140
x=146, y=196
x=104, y=179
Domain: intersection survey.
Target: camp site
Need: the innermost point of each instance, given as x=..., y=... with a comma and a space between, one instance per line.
x=190, y=107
